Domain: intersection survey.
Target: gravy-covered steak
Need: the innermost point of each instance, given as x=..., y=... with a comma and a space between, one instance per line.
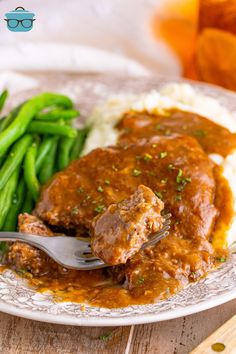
x=30, y=224
x=175, y=168
x=138, y=125
x=121, y=230
x=24, y=257
x=180, y=173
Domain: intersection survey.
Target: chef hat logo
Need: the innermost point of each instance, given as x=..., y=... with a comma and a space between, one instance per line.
x=20, y=20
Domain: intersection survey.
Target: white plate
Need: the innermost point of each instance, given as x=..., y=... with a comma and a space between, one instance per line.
x=217, y=288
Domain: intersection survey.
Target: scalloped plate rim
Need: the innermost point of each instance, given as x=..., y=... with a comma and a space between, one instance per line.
x=120, y=321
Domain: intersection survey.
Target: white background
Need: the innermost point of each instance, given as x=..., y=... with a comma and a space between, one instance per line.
x=121, y=27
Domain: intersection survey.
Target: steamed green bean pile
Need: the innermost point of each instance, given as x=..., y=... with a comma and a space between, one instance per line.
x=37, y=139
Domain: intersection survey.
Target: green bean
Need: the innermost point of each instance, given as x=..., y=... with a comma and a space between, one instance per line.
x=43, y=150
x=56, y=114
x=29, y=109
x=58, y=128
x=6, y=121
x=37, y=139
x=14, y=158
x=64, y=149
x=48, y=167
x=1, y=123
x=17, y=201
x=79, y=143
x=2, y=160
x=30, y=171
x=28, y=203
x=6, y=196
x=3, y=98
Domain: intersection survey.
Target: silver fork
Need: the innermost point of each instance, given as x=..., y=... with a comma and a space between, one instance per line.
x=74, y=253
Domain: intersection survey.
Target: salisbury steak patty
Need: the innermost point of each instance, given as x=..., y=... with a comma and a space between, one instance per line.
x=24, y=257
x=138, y=125
x=175, y=168
x=123, y=228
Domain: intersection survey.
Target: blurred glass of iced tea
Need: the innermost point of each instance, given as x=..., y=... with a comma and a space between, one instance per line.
x=215, y=56
x=204, y=37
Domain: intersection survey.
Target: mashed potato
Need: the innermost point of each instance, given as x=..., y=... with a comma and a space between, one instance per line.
x=104, y=118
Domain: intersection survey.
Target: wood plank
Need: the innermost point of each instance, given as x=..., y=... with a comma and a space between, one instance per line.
x=21, y=336
x=182, y=335
x=223, y=339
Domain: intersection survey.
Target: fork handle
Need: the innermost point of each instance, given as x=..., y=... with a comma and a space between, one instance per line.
x=34, y=240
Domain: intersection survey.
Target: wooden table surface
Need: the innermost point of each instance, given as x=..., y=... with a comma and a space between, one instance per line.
x=180, y=336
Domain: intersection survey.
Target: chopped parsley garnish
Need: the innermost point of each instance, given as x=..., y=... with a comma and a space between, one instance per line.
x=171, y=166
x=140, y=281
x=74, y=211
x=107, y=181
x=163, y=154
x=221, y=259
x=147, y=157
x=136, y=172
x=180, y=187
x=164, y=181
x=178, y=197
x=182, y=181
x=200, y=133
x=159, y=195
x=178, y=178
x=80, y=189
x=100, y=208
x=100, y=189
x=105, y=336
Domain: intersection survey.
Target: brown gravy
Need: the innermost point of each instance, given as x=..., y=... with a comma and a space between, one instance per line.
x=198, y=197
x=213, y=138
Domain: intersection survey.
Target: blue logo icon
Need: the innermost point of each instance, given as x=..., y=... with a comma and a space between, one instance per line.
x=20, y=20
